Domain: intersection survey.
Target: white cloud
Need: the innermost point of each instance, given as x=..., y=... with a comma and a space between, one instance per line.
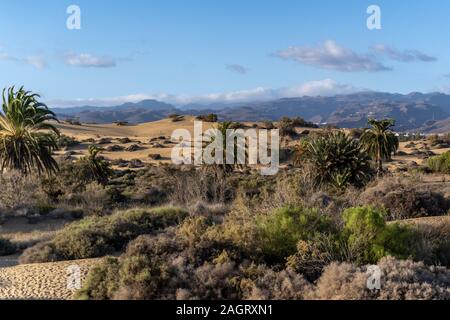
x=86, y=60
x=402, y=56
x=38, y=62
x=237, y=68
x=330, y=55
x=326, y=87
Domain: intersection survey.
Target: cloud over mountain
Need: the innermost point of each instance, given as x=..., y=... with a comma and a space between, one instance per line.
x=326, y=87
x=332, y=56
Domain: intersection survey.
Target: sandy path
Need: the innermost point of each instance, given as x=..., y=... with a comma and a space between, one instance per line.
x=47, y=281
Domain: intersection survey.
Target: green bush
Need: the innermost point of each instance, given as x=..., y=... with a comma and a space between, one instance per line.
x=98, y=236
x=7, y=247
x=440, y=164
x=101, y=282
x=280, y=231
x=370, y=238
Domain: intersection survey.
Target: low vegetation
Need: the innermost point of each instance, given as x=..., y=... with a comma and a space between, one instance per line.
x=440, y=164
x=7, y=247
x=169, y=232
x=99, y=236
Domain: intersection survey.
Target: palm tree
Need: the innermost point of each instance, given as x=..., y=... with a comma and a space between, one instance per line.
x=380, y=141
x=97, y=168
x=225, y=167
x=336, y=159
x=27, y=139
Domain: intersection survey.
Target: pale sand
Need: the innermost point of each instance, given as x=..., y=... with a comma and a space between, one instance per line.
x=137, y=133
x=47, y=281
x=145, y=131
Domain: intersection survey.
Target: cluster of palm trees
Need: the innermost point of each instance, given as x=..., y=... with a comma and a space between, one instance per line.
x=28, y=138
x=340, y=160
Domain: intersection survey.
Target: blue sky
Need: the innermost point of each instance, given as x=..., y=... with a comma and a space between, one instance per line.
x=204, y=51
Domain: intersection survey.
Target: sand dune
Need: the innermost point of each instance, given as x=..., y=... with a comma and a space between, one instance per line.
x=47, y=281
x=145, y=130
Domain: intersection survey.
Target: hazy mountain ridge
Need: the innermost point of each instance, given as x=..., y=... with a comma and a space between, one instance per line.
x=412, y=111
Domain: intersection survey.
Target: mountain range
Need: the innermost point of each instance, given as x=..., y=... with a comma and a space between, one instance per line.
x=428, y=112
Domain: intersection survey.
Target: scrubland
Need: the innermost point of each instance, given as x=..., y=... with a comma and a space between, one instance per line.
x=159, y=231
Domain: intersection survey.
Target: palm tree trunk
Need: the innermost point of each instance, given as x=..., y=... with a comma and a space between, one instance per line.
x=379, y=162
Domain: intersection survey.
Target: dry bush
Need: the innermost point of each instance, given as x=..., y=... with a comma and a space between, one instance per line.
x=186, y=186
x=404, y=198
x=314, y=255
x=217, y=210
x=400, y=280
x=201, y=185
x=93, y=200
x=162, y=267
x=262, y=283
x=19, y=191
x=433, y=245
x=340, y=282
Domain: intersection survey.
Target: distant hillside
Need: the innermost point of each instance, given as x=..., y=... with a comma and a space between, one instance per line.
x=442, y=126
x=412, y=112
x=144, y=111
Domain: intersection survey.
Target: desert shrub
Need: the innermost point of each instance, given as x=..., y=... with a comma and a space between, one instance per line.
x=93, y=200
x=97, y=236
x=162, y=268
x=400, y=280
x=217, y=210
x=158, y=185
x=313, y=255
x=300, y=122
x=404, y=198
x=190, y=262
x=286, y=128
x=176, y=117
x=19, y=191
x=210, y=186
x=143, y=272
x=64, y=141
x=101, y=282
x=208, y=117
x=7, y=247
x=268, y=125
x=440, y=164
x=41, y=252
x=280, y=231
x=370, y=238
x=263, y=283
x=433, y=246
x=338, y=160
x=73, y=177
x=287, y=125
